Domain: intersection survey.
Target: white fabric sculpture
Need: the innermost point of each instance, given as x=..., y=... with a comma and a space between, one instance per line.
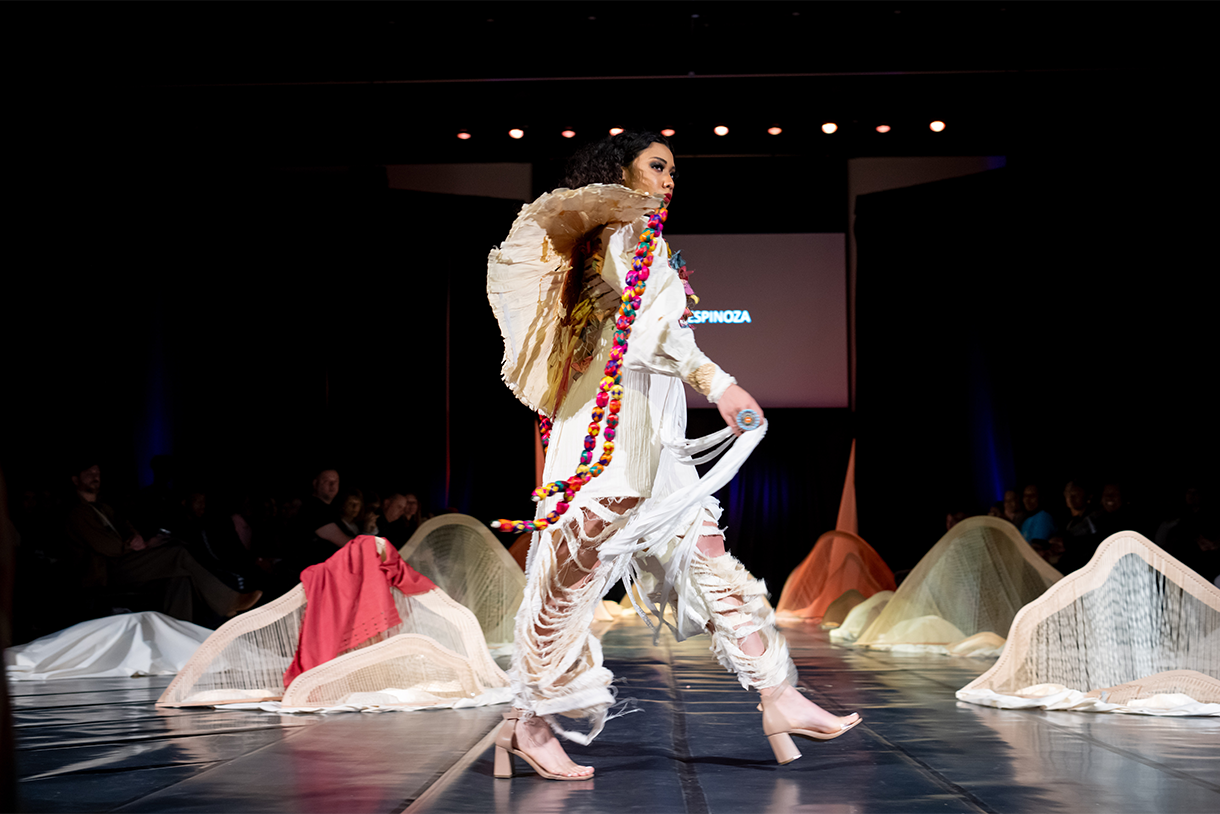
x=1133, y=631
x=245, y=659
x=974, y=580
x=467, y=562
x=129, y=644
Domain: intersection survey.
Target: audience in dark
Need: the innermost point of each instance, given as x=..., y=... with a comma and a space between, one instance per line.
x=202, y=554
x=1038, y=523
x=110, y=555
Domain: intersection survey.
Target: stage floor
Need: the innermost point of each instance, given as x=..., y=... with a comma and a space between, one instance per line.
x=696, y=746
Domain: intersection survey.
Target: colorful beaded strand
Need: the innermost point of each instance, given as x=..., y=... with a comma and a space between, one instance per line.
x=610, y=390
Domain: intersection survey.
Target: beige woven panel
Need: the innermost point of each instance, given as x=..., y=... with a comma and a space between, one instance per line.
x=246, y=658
x=406, y=661
x=1134, y=615
x=975, y=579
x=466, y=561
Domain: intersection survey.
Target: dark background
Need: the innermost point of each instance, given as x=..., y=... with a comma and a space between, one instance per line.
x=181, y=281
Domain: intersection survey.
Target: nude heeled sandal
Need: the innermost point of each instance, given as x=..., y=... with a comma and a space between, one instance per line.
x=506, y=747
x=779, y=730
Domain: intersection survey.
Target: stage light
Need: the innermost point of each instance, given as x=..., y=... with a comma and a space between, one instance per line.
x=775, y=131
x=720, y=130
x=614, y=131
x=516, y=133
x=829, y=128
x=463, y=135
x=883, y=128
x=668, y=132
x=936, y=126
x=568, y=134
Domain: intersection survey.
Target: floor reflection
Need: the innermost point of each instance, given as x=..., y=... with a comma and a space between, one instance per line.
x=1089, y=761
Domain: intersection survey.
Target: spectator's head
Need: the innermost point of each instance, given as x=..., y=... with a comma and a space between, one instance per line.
x=1012, y=504
x=195, y=502
x=1112, y=497
x=954, y=517
x=394, y=507
x=411, y=509
x=87, y=481
x=996, y=509
x=351, y=505
x=326, y=485
x=1075, y=497
x=1029, y=498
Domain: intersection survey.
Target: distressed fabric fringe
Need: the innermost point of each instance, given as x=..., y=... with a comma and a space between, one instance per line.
x=557, y=665
x=719, y=579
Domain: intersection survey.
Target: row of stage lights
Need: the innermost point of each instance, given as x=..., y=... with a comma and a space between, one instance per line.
x=720, y=130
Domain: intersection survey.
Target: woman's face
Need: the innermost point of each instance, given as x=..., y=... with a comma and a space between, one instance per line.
x=652, y=171
x=352, y=508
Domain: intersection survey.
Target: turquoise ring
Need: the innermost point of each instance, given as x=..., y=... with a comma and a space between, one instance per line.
x=748, y=420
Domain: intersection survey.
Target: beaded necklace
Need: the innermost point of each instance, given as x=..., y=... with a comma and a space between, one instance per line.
x=610, y=390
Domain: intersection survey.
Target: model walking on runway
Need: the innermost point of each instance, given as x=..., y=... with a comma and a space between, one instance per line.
x=593, y=317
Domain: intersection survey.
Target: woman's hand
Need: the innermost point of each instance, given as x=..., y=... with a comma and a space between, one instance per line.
x=734, y=400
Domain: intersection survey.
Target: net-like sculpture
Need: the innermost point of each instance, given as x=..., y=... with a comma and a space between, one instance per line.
x=1133, y=630
x=464, y=559
x=245, y=659
x=836, y=614
x=860, y=617
x=838, y=562
x=408, y=669
x=975, y=579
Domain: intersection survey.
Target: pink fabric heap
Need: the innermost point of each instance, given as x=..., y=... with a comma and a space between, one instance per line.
x=349, y=601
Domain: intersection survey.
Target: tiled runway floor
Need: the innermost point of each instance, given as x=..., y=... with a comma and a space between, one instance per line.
x=695, y=746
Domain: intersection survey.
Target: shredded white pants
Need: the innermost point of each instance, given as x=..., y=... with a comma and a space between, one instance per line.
x=557, y=663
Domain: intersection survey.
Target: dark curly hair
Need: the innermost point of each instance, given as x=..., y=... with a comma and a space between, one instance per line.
x=602, y=162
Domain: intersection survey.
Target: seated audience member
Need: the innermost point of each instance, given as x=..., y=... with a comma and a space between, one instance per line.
x=413, y=513
x=393, y=523
x=996, y=509
x=118, y=557
x=1050, y=550
x=347, y=521
x=305, y=545
x=1013, y=512
x=213, y=542
x=318, y=509
x=1114, y=516
x=1038, y=524
x=1080, y=536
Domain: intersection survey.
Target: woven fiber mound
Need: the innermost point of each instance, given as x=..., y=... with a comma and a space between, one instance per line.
x=839, y=561
x=836, y=614
x=861, y=617
x=467, y=562
x=1135, y=630
x=245, y=659
x=974, y=580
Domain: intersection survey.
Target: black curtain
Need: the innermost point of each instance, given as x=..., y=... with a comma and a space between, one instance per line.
x=1037, y=323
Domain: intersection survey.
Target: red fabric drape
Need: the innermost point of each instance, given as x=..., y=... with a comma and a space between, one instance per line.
x=348, y=601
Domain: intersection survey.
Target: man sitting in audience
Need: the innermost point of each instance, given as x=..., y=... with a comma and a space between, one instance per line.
x=118, y=557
